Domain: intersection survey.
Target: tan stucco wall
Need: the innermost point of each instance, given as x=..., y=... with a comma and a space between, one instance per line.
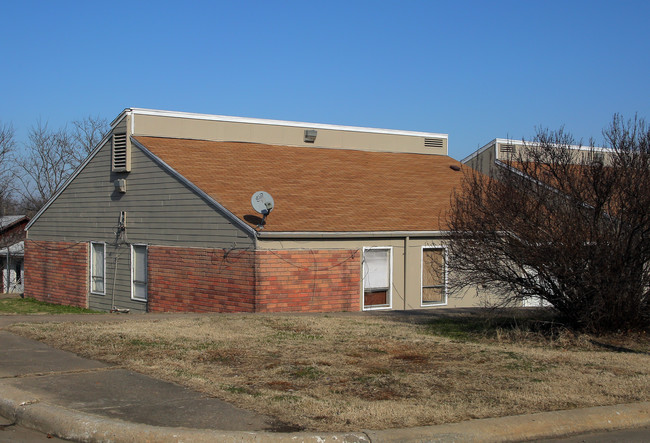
x=280, y=134
x=407, y=267
x=483, y=162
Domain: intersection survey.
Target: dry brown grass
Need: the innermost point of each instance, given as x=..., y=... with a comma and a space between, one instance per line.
x=349, y=372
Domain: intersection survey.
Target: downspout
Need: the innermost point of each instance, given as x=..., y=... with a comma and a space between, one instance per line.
x=255, y=265
x=8, y=272
x=406, y=248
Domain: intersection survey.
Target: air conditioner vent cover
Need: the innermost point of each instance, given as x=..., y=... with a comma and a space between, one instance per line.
x=434, y=143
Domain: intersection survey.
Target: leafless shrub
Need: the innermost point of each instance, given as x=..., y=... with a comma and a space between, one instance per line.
x=554, y=223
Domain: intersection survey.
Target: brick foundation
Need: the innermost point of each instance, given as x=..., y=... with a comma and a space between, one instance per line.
x=57, y=272
x=200, y=280
x=305, y=280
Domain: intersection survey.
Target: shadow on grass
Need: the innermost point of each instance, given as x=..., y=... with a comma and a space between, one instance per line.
x=616, y=348
x=18, y=305
x=535, y=326
x=474, y=324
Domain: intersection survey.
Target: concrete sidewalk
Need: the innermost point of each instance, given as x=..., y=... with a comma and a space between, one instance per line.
x=60, y=393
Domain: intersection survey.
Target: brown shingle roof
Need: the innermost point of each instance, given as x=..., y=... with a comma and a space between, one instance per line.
x=317, y=189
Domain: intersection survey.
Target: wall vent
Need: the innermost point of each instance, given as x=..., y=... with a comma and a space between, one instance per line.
x=310, y=135
x=121, y=160
x=507, y=149
x=434, y=143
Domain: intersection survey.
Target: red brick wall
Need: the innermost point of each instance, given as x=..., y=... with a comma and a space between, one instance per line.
x=304, y=280
x=57, y=272
x=209, y=280
x=14, y=234
x=200, y=280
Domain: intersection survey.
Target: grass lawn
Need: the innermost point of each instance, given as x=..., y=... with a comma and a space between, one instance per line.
x=31, y=306
x=371, y=371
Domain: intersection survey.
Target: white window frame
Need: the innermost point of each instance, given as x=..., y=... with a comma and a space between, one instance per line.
x=92, y=268
x=389, y=294
x=146, y=263
x=424, y=304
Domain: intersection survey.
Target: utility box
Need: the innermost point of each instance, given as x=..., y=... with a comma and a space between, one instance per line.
x=120, y=185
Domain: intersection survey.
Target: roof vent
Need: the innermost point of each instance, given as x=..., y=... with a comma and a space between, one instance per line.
x=310, y=135
x=434, y=143
x=121, y=160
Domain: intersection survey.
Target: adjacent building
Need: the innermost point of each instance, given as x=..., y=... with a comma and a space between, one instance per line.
x=12, y=234
x=500, y=153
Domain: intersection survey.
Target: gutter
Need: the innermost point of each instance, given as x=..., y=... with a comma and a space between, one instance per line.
x=348, y=234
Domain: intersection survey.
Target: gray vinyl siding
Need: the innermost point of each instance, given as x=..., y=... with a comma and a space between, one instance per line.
x=160, y=210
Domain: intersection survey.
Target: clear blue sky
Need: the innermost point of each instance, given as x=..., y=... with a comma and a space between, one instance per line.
x=473, y=69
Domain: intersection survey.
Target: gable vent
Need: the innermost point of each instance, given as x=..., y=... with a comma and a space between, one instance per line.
x=121, y=159
x=434, y=143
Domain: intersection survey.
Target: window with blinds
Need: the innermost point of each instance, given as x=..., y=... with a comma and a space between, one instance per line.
x=376, y=277
x=139, y=272
x=434, y=276
x=97, y=268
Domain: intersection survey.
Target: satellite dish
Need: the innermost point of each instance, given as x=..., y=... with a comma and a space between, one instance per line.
x=263, y=203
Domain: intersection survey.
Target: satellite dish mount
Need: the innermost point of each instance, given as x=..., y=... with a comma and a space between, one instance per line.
x=263, y=203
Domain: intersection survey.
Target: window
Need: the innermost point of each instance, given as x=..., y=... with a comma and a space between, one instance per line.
x=377, y=278
x=97, y=268
x=434, y=276
x=139, y=272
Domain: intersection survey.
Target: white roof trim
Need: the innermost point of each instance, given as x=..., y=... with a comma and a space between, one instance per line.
x=526, y=142
x=260, y=121
x=195, y=188
x=347, y=234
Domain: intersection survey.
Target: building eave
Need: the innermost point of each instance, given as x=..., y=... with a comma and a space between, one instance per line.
x=262, y=235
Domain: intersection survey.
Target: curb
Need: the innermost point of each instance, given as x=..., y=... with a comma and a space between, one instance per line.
x=26, y=410
x=542, y=425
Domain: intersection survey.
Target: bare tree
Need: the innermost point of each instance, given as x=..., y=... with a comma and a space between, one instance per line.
x=564, y=225
x=87, y=134
x=47, y=163
x=7, y=147
x=52, y=155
